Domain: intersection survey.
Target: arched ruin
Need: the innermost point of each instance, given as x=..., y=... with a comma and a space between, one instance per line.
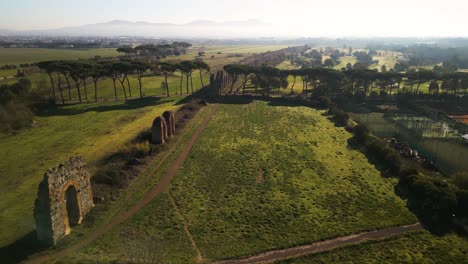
x=159, y=131
x=170, y=122
x=64, y=199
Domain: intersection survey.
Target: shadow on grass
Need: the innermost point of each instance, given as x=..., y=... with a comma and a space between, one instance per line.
x=21, y=249
x=131, y=104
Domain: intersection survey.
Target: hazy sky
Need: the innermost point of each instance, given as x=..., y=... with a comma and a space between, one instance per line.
x=289, y=17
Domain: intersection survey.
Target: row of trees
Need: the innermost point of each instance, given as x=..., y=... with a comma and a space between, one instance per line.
x=358, y=80
x=154, y=52
x=81, y=73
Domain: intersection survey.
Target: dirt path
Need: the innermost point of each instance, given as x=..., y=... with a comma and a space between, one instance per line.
x=151, y=195
x=199, y=258
x=281, y=254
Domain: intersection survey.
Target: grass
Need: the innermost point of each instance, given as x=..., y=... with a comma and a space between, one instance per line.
x=263, y=177
x=92, y=130
x=157, y=226
x=416, y=247
x=147, y=222
x=219, y=55
x=30, y=55
x=8, y=73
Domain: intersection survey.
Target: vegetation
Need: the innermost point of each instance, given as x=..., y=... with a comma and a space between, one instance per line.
x=416, y=247
x=93, y=130
x=32, y=55
x=289, y=190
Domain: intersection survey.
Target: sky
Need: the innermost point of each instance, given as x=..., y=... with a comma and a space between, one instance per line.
x=308, y=18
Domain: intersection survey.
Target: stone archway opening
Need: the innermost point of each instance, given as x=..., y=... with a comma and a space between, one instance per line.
x=72, y=206
x=64, y=199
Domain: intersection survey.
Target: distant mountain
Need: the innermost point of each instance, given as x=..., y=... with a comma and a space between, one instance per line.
x=197, y=28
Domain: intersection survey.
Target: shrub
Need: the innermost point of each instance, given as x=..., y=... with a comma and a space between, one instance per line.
x=435, y=201
x=323, y=102
x=461, y=180
x=462, y=201
x=361, y=131
x=112, y=175
x=134, y=150
x=393, y=160
x=341, y=118
x=14, y=117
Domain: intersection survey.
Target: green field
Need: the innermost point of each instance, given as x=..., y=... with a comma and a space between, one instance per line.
x=263, y=177
x=92, y=130
x=157, y=221
x=416, y=247
x=31, y=55
x=156, y=224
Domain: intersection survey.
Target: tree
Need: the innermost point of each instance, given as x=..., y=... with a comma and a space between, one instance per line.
x=127, y=50
x=187, y=67
x=85, y=71
x=75, y=74
x=434, y=87
x=271, y=75
x=111, y=71
x=328, y=63
x=167, y=69
x=235, y=71
x=294, y=73
x=122, y=69
x=203, y=68
x=64, y=68
x=464, y=83
x=49, y=67
x=96, y=73
x=140, y=68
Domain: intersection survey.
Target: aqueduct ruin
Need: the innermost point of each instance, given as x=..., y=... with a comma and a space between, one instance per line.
x=163, y=127
x=64, y=199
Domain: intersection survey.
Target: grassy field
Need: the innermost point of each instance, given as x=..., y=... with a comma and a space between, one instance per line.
x=219, y=55
x=157, y=220
x=156, y=228
x=417, y=247
x=92, y=130
x=30, y=55
x=263, y=177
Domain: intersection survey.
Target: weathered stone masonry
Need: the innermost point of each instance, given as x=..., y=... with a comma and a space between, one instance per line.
x=64, y=199
x=170, y=122
x=163, y=127
x=159, y=131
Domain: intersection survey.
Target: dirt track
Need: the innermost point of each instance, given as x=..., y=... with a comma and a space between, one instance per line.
x=155, y=192
x=281, y=254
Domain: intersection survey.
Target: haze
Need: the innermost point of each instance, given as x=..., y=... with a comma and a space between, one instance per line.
x=360, y=18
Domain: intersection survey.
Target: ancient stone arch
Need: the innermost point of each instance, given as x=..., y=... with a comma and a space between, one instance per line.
x=64, y=199
x=159, y=131
x=170, y=121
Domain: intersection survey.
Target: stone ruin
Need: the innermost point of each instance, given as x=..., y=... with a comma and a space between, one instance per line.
x=159, y=131
x=170, y=121
x=163, y=127
x=64, y=199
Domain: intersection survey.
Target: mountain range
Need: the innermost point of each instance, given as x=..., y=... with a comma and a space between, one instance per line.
x=194, y=29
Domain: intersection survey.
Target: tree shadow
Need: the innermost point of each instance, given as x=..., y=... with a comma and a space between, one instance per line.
x=21, y=249
x=131, y=104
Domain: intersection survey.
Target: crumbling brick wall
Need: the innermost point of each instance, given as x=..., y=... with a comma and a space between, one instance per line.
x=64, y=193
